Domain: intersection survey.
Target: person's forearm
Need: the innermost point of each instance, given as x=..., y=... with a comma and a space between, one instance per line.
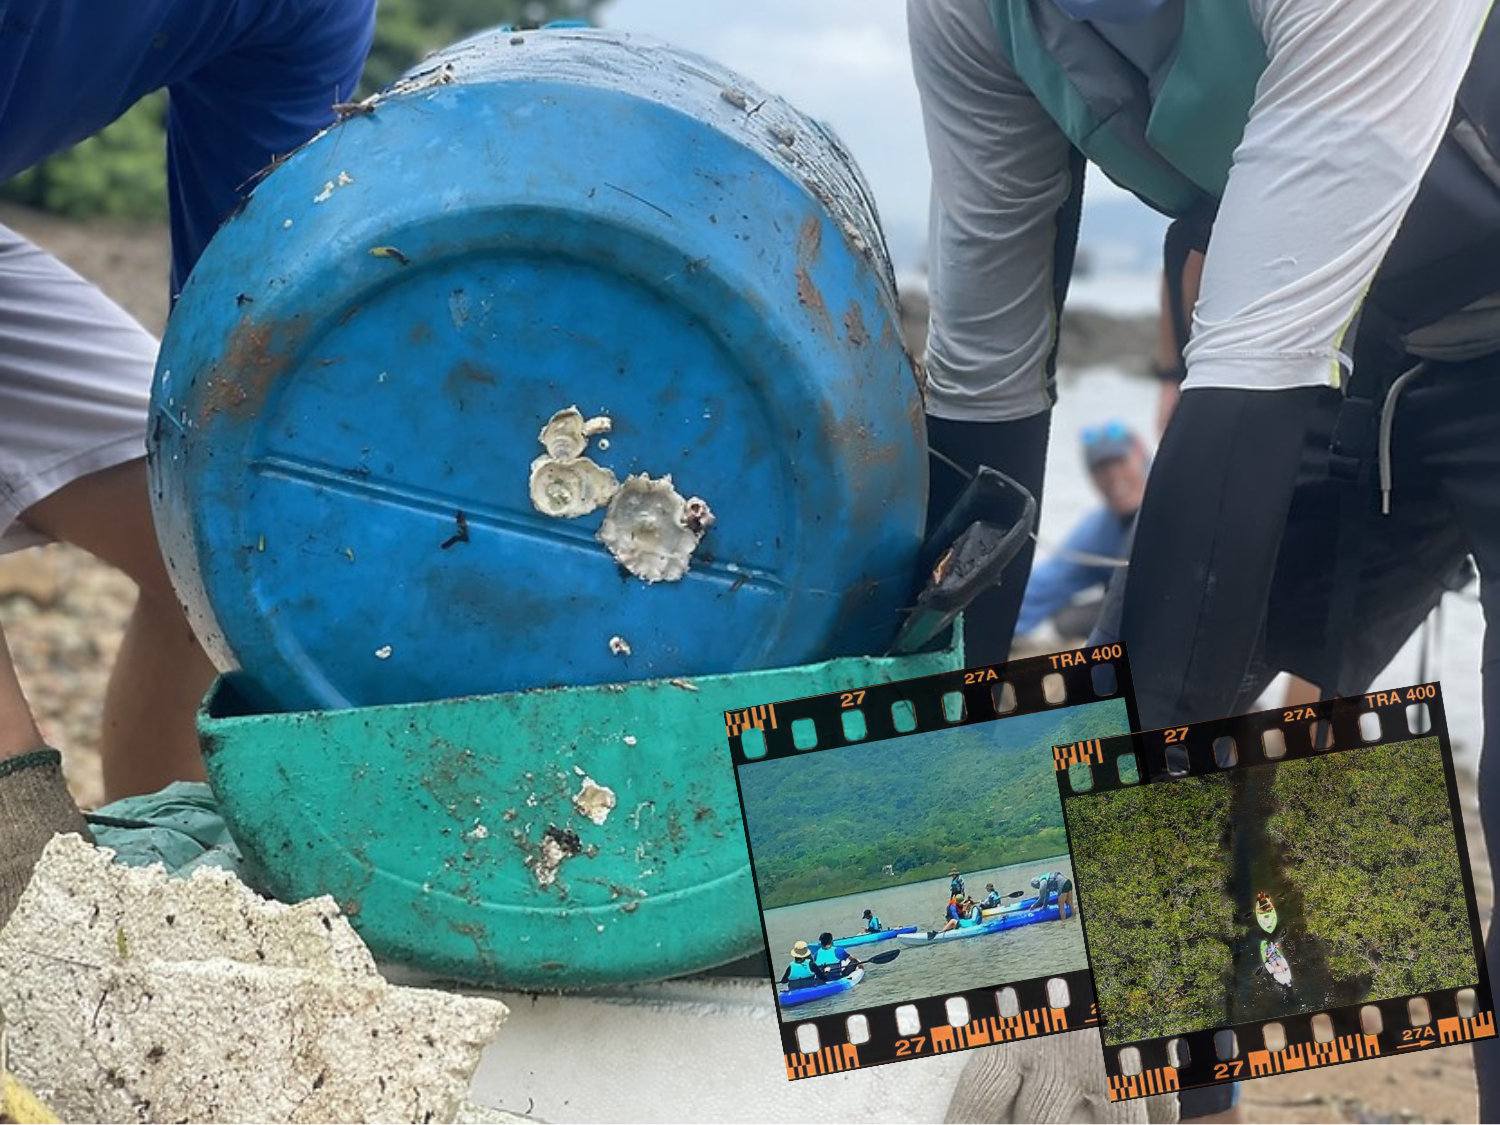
x=1298, y=237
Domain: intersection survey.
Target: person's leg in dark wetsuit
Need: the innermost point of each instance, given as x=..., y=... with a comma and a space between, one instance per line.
x=1451, y=419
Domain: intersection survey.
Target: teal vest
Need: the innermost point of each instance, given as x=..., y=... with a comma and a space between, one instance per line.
x=1160, y=105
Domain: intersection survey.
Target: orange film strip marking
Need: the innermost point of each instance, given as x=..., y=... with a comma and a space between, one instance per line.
x=1309, y=1056
x=738, y=722
x=826, y=1061
x=1459, y=1030
x=999, y=1029
x=1065, y=756
x=1162, y=1080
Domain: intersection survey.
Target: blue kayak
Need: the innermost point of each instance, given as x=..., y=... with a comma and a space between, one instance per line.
x=867, y=939
x=1023, y=918
x=1005, y=922
x=792, y=996
x=1012, y=907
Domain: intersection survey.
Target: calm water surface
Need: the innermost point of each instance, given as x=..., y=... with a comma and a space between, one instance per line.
x=955, y=966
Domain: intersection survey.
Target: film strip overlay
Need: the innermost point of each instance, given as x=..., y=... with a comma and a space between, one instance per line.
x=1001, y=1010
x=1305, y=1036
x=913, y=1030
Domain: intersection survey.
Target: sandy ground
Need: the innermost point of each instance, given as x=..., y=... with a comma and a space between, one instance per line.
x=63, y=614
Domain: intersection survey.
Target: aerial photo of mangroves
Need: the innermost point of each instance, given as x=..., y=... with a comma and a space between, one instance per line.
x=1262, y=892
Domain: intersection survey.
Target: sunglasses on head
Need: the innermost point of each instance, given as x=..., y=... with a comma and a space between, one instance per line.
x=1110, y=431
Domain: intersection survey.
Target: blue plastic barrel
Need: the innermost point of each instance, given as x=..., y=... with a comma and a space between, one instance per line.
x=348, y=460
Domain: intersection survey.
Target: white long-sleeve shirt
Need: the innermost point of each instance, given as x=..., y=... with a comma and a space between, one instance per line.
x=1347, y=116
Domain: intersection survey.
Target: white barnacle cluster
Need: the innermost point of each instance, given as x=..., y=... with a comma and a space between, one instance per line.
x=649, y=527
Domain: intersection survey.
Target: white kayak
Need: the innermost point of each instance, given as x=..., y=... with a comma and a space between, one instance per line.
x=1275, y=963
x=1012, y=907
x=994, y=926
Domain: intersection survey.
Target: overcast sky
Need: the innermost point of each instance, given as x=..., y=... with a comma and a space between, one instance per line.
x=845, y=62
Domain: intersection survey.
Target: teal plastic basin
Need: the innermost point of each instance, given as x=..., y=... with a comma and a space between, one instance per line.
x=556, y=839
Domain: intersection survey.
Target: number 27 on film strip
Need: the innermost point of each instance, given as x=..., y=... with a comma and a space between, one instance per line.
x=1277, y=891
x=910, y=859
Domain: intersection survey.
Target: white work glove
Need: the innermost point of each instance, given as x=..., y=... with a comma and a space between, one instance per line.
x=1057, y=1078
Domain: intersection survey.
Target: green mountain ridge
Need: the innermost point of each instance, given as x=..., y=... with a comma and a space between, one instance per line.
x=978, y=796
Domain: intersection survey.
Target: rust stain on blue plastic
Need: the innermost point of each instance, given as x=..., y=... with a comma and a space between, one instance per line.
x=356, y=539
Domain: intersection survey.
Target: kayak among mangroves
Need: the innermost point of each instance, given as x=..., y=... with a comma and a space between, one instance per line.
x=1275, y=962
x=1265, y=912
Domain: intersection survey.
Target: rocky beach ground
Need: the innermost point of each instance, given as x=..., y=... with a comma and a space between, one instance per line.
x=63, y=614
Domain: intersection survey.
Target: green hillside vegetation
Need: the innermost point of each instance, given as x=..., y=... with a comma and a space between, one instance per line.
x=973, y=797
x=1368, y=836
x=1158, y=945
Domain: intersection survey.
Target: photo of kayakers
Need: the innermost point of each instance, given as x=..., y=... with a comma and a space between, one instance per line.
x=916, y=866
x=1275, y=889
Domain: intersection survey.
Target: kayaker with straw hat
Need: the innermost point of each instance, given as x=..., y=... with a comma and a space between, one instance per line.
x=800, y=973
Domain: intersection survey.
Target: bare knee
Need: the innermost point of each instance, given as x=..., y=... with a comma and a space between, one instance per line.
x=108, y=514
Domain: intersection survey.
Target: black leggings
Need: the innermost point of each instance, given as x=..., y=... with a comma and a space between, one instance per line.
x=1445, y=502
x=1447, y=443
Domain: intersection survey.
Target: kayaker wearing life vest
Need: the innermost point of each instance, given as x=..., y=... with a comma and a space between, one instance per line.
x=800, y=973
x=956, y=884
x=953, y=912
x=872, y=923
x=1049, y=883
x=831, y=961
x=992, y=897
x=1346, y=155
x=970, y=913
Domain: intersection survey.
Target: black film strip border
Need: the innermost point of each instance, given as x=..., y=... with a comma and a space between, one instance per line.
x=983, y=690
x=1252, y=1058
x=887, y=1042
x=988, y=693
x=1316, y=730
x=1189, y=751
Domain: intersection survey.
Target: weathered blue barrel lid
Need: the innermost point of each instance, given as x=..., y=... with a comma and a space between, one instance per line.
x=348, y=464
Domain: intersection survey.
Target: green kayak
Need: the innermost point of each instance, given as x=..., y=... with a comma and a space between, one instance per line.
x=1275, y=962
x=1265, y=914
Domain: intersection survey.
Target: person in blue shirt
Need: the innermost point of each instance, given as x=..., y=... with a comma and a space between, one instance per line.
x=248, y=82
x=1117, y=464
x=992, y=897
x=831, y=961
x=872, y=923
